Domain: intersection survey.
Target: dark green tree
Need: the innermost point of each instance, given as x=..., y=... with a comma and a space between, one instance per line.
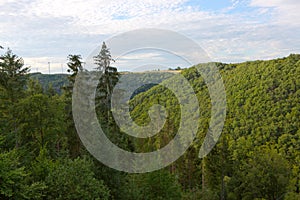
x=41, y=121
x=154, y=185
x=264, y=175
x=14, y=179
x=11, y=175
x=13, y=77
x=75, y=180
x=109, y=74
x=74, y=67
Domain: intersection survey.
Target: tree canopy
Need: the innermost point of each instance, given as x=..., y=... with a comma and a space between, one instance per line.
x=256, y=157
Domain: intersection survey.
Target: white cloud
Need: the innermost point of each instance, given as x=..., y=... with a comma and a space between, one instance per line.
x=3, y=2
x=95, y=12
x=287, y=11
x=140, y=56
x=110, y=17
x=274, y=3
x=55, y=28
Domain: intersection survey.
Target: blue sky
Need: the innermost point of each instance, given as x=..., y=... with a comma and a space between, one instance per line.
x=43, y=31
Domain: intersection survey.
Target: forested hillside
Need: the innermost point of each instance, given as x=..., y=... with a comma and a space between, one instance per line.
x=258, y=154
x=53, y=82
x=256, y=157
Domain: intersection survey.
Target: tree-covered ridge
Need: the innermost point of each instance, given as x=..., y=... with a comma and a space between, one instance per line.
x=53, y=81
x=258, y=155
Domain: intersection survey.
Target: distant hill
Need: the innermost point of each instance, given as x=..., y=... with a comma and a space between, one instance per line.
x=56, y=80
x=59, y=80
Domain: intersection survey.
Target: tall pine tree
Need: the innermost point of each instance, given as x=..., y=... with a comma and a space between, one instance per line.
x=13, y=78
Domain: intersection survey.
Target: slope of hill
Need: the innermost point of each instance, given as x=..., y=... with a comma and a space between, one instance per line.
x=56, y=80
x=258, y=155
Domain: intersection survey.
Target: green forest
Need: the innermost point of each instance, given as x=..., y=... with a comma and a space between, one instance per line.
x=256, y=157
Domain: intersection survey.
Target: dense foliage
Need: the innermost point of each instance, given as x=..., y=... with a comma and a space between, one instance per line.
x=257, y=156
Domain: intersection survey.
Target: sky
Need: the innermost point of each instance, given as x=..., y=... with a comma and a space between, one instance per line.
x=43, y=31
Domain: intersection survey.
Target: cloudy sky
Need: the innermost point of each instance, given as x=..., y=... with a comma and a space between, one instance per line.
x=43, y=31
